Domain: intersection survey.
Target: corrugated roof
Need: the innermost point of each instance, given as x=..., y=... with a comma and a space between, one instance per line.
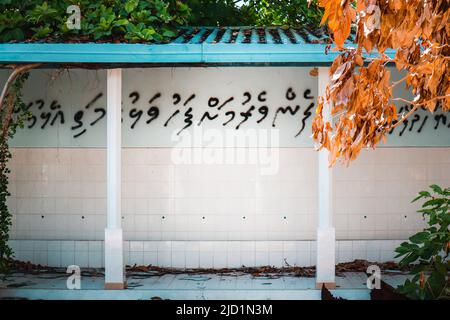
x=251, y=35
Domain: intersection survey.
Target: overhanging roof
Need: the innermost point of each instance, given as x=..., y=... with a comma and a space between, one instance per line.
x=230, y=45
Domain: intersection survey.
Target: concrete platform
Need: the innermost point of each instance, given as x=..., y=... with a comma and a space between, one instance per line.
x=52, y=286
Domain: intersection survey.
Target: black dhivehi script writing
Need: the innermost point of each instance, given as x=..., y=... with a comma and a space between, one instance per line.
x=236, y=112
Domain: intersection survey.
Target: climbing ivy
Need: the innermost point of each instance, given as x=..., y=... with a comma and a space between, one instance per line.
x=9, y=123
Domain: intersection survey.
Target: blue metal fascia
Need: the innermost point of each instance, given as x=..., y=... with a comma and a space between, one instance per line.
x=165, y=53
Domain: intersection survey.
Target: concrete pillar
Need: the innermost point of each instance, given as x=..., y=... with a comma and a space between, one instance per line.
x=114, y=264
x=326, y=238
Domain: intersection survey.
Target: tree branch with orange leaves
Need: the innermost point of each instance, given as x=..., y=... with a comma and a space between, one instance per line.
x=360, y=87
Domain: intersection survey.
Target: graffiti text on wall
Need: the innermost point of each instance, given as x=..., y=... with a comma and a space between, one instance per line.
x=50, y=113
x=230, y=112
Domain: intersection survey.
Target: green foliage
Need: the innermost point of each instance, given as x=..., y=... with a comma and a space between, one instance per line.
x=294, y=13
x=102, y=20
x=5, y=216
x=143, y=20
x=429, y=249
x=218, y=13
x=21, y=114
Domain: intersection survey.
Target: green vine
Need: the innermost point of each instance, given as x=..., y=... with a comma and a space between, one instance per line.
x=13, y=113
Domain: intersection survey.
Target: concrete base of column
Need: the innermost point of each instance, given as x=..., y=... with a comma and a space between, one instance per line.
x=114, y=265
x=115, y=286
x=326, y=257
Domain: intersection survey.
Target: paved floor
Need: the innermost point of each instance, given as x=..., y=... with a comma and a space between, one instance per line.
x=352, y=285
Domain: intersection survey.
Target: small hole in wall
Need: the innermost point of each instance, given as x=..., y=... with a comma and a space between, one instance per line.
x=365, y=217
x=406, y=216
x=42, y=217
x=203, y=218
x=123, y=218
x=284, y=217
x=163, y=217
x=82, y=217
x=243, y=217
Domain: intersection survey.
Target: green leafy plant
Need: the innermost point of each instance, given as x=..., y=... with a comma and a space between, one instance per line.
x=140, y=32
x=295, y=13
x=102, y=20
x=144, y=20
x=41, y=14
x=11, y=26
x=429, y=249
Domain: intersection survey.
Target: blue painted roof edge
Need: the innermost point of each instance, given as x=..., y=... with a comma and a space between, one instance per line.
x=165, y=53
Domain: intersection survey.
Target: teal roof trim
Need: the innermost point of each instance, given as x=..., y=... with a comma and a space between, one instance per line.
x=239, y=45
x=167, y=53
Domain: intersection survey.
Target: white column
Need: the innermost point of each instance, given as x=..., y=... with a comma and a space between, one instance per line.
x=326, y=239
x=114, y=264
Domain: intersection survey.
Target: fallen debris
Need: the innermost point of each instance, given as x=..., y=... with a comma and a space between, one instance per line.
x=360, y=265
x=47, y=272
x=260, y=272
x=268, y=272
x=28, y=267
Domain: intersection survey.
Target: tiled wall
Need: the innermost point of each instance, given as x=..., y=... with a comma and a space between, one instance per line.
x=56, y=253
x=195, y=254
x=372, y=197
x=59, y=194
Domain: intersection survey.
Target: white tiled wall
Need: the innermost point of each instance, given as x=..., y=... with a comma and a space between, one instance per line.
x=59, y=253
x=195, y=254
x=60, y=194
x=188, y=215
x=372, y=197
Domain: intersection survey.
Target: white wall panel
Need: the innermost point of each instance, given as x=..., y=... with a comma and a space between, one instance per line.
x=208, y=213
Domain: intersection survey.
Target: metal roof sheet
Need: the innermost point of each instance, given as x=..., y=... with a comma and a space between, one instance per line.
x=251, y=35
